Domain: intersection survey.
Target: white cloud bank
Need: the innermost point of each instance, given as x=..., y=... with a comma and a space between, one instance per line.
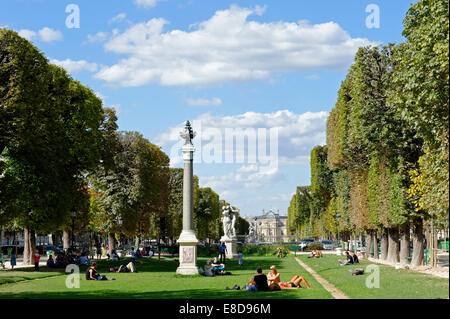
x=297, y=135
x=72, y=66
x=45, y=34
x=226, y=48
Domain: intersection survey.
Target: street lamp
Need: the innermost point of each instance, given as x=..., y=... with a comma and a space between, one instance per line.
x=338, y=218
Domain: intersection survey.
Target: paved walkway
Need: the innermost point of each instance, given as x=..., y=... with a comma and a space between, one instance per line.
x=441, y=272
x=336, y=293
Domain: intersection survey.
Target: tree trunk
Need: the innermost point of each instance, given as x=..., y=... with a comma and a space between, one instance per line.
x=393, y=248
x=54, y=239
x=376, y=255
x=29, y=239
x=404, y=244
x=137, y=241
x=111, y=242
x=66, y=239
x=384, y=243
x=369, y=243
x=418, y=249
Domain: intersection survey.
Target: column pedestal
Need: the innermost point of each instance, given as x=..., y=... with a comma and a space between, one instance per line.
x=188, y=253
x=231, y=247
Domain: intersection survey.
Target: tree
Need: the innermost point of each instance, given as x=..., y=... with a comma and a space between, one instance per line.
x=49, y=138
x=421, y=81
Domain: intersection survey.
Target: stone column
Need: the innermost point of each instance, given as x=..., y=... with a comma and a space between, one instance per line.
x=188, y=241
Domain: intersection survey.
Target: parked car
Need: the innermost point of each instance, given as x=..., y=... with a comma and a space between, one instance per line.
x=327, y=244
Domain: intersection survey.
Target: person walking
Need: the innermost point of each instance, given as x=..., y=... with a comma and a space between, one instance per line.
x=36, y=258
x=12, y=261
x=222, y=251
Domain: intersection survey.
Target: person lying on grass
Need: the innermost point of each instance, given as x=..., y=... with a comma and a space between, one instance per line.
x=122, y=268
x=294, y=283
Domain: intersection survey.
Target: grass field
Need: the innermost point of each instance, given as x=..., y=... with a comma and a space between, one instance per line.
x=157, y=279
x=394, y=284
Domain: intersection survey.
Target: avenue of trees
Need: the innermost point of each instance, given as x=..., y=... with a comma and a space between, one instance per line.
x=65, y=168
x=385, y=166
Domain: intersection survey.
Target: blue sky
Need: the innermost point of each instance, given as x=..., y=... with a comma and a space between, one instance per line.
x=245, y=65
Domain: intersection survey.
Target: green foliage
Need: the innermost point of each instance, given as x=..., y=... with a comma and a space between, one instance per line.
x=421, y=81
x=206, y=215
x=49, y=137
x=299, y=209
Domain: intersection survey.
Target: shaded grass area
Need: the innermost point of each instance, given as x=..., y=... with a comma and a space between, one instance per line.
x=394, y=284
x=157, y=279
x=22, y=274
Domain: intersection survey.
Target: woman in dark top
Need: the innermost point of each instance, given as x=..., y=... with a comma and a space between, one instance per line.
x=92, y=273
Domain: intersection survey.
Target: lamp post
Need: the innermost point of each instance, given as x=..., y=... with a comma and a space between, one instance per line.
x=73, y=214
x=338, y=219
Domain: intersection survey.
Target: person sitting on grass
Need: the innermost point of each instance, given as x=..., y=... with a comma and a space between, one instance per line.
x=258, y=282
x=93, y=274
x=349, y=260
x=354, y=257
x=217, y=268
x=51, y=262
x=273, y=276
x=114, y=255
x=295, y=283
x=208, y=271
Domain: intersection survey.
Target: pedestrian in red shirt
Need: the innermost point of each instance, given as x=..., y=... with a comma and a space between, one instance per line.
x=36, y=257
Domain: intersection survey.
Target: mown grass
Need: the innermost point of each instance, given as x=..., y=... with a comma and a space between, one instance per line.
x=394, y=284
x=157, y=279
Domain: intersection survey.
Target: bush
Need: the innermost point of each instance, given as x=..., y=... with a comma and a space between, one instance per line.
x=264, y=250
x=313, y=246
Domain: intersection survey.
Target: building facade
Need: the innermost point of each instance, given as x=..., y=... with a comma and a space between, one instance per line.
x=270, y=227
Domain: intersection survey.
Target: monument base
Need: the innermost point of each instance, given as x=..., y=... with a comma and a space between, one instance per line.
x=188, y=253
x=231, y=247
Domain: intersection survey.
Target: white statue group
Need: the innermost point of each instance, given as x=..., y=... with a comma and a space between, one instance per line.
x=229, y=221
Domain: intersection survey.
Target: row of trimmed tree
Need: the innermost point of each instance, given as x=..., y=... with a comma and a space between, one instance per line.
x=385, y=166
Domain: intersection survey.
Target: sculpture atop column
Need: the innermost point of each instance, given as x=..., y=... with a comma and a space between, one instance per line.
x=229, y=237
x=188, y=241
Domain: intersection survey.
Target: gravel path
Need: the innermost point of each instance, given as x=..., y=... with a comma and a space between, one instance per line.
x=336, y=293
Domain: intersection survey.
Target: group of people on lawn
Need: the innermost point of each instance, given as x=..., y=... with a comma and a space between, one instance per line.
x=272, y=282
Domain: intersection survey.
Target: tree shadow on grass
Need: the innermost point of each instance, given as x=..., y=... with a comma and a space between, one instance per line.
x=178, y=294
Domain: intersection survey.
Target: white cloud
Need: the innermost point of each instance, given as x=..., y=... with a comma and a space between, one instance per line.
x=117, y=18
x=48, y=35
x=147, y=3
x=45, y=34
x=27, y=34
x=204, y=102
x=98, y=37
x=297, y=135
x=75, y=66
x=226, y=48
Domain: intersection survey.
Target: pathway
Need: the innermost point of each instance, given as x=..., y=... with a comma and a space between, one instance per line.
x=335, y=292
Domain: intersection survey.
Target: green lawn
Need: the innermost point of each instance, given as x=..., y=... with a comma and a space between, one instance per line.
x=8, y=276
x=158, y=280
x=394, y=284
